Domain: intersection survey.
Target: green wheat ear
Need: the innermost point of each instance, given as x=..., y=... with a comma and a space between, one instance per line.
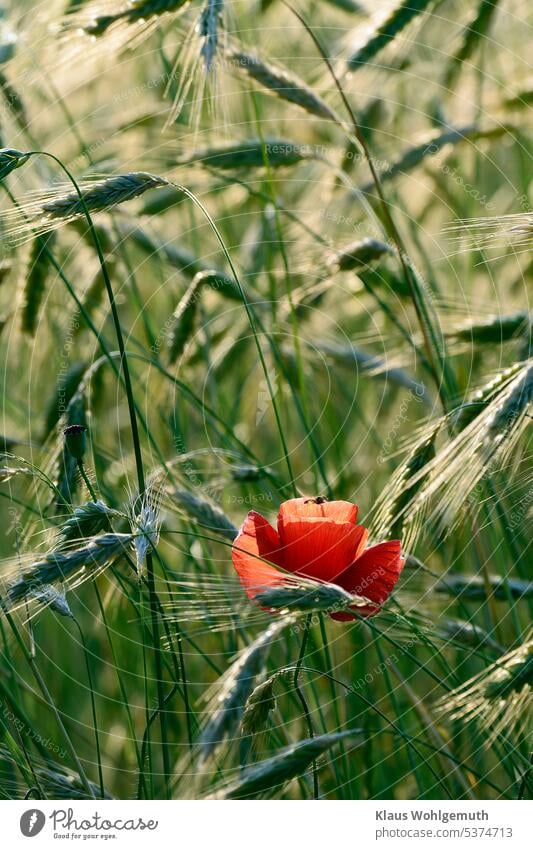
x=270, y=774
x=87, y=520
x=60, y=566
x=386, y=31
x=300, y=595
x=478, y=401
x=10, y=159
x=183, y=320
x=36, y=276
x=281, y=83
x=230, y=694
x=105, y=194
x=178, y=257
x=208, y=515
x=67, y=475
x=258, y=708
x=499, y=698
x=251, y=153
x=135, y=11
x=257, y=712
x=474, y=32
x=496, y=329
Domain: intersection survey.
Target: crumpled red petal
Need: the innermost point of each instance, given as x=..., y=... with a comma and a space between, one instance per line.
x=373, y=575
x=256, y=542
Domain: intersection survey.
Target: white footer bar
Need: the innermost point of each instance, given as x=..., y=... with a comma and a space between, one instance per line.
x=267, y=825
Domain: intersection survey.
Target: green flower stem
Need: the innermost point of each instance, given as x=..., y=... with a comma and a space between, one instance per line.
x=86, y=480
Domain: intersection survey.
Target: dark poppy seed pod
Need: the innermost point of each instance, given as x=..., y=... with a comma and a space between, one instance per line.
x=76, y=440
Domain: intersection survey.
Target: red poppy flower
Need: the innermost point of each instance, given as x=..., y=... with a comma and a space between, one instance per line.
x=316, y=539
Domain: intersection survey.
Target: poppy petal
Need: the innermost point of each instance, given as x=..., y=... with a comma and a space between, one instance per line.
x=319, y=548
x=316, y=508
x=373, y=575
x=343, y=616
x=256, y=542
x=362, y=541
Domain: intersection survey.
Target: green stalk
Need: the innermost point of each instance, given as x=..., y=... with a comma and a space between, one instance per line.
x=22, y=760
x=301, y=697
x=88, y=484
x=329, y=669
x=390, y=722
x=443, y=381
x=49, y=700
x=93, y=708
x=253, y=326
x=125, y=700
x=182, y=670
x=396, y=709
x=138, y=461
x=294, y=320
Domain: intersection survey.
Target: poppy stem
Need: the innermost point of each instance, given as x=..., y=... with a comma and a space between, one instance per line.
x=301, y=697
x=86, y=480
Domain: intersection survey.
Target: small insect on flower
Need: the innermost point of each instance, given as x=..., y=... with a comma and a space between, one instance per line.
x=318, y=540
